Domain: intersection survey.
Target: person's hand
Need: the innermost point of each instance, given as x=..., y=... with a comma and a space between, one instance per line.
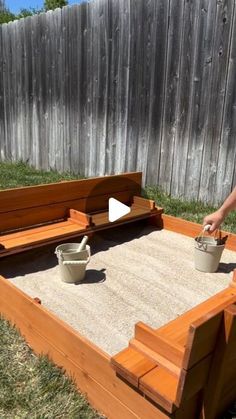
x=215, y=219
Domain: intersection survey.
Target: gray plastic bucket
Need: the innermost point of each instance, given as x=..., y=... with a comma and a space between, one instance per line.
x=72, y=263
x=207, y=254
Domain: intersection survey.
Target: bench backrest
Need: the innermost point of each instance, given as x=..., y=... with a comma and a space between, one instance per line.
x=200, y=373
x=33, y=205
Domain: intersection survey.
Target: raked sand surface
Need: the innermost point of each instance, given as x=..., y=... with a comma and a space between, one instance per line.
x=131, y=277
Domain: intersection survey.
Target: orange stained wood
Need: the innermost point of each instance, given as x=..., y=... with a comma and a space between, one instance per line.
x=40, y=234
x=161, y=386
x=24, y=241
x=221, y=387
x=202, y=337
x=144, y=203
x=180, y=372
x=87, y=363
x=201, y=342
x=154, y=356
x=132, y=365
x=191, y=229
x=136, y=212
x=80, y=218
x=193, y=380
x=177, y=329
x=165, y=347
x=26, y=217
x=31, y=214
x=233, y=280
x=34, y=196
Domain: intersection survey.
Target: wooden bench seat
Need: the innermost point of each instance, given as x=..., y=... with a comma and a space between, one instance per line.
x=187, y=361
x=38, y=215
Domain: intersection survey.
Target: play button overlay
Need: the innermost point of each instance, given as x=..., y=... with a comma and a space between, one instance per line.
x=116, y=210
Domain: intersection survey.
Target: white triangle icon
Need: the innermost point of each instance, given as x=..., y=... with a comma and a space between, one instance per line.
x=117, y=210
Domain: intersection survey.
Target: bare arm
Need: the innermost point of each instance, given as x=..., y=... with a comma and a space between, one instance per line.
x=216, y=218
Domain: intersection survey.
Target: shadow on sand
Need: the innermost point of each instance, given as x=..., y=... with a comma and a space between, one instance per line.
x=44, y=258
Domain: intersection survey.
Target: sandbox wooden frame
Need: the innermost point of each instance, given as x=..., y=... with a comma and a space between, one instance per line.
x=85, y=362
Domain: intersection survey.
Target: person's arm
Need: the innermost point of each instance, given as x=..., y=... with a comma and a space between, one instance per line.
x=216, y=218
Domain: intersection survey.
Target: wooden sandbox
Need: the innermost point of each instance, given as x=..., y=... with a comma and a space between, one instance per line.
x=166, y=372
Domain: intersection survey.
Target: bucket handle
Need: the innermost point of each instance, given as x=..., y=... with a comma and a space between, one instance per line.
x=202, y=234
x=78, y=262
x=75, y=262
x=59, y=254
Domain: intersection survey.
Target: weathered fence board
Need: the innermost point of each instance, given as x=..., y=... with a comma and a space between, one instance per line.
x=217, y=94
x=227, y=150
x=169, y=134
x=109, y=86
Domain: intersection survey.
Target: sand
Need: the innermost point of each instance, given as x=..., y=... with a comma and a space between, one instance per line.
x=147, y=276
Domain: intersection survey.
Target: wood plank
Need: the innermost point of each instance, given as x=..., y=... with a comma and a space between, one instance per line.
x=177, y=329
x=158, y=56
x=221, y=386
x=28, y=217
x=144, y=203
x=202, y=338
x=161, y=387
x=34, y=196
x=225, y=173
x=193, y=380
x=35, y=230
x=68, y=348
x=170, y=392
x=69, y=234
x=154, y=356
x=136, y=212
x=184, y=112
x=171, y=101
x=217, y=89
x=158, y=343
x=199, y=140
x=131, y=365
x=190, y=408
x=85, y=220
x=191, y=229
x=42, y=235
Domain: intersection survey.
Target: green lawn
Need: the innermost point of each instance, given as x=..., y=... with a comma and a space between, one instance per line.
x=20, y=174
x=189, y=210
x=30, y=386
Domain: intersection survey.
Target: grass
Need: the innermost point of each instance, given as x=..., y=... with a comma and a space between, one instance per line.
x=31, y=386
x=14, y=175
x=188, y=210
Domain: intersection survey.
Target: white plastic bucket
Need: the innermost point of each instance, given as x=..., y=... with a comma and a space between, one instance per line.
x=72, y=263
x=207, y=254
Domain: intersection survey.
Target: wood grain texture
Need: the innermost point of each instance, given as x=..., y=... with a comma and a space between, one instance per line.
x=191, y=229
x=177, y=329
x=164, y=347
x=105, y=87
x=221, y=387
x=161, y=387
x=154, y=356
x=28, y=225
x=87, y=363
x=202, y=338
x=81, y=218
x=131, y=365
x=34, y=196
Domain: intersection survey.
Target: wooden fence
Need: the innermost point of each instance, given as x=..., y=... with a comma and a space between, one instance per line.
x=122, y=85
